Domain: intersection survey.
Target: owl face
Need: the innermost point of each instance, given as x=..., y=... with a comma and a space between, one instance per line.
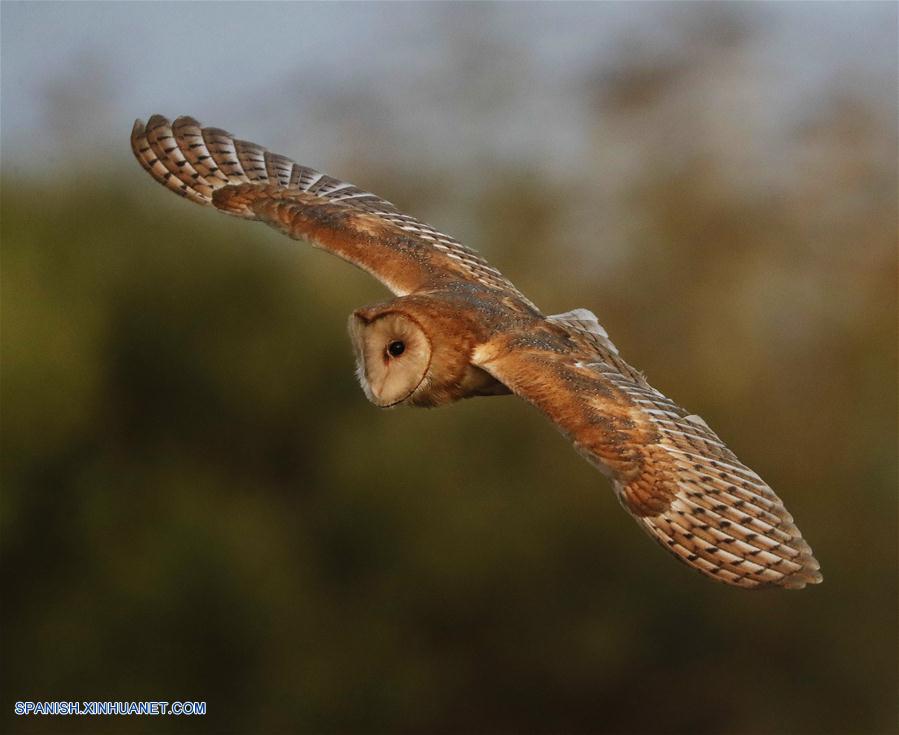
x=393, y=355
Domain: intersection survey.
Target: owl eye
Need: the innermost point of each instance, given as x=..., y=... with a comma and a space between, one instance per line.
x=396, y=348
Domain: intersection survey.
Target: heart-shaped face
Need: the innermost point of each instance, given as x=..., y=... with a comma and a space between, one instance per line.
x=393, y=355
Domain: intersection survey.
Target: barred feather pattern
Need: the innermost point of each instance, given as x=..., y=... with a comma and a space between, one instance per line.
x=211, y=167
x=584, y=329
x=723, y=519
x=670, y=471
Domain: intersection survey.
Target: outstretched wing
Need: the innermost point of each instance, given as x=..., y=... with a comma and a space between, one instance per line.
x=211, y=167
x=668, y=468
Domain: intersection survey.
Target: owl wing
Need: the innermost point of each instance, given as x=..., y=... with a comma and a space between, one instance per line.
x=668, y=468
x=211, y=167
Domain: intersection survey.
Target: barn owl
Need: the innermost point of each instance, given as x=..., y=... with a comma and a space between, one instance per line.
x=456, y=328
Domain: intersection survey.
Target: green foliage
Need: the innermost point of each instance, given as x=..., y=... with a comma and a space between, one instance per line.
x=199, y=503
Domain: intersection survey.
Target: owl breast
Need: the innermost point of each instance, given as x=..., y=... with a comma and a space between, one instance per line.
x=452, y=386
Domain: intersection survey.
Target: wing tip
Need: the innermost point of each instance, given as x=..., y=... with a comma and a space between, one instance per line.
x=165, y=162
x=795, y=568
x=799, y=580
x=186, y=121
x=156, y=120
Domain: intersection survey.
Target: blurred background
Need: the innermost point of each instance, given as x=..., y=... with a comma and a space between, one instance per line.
x=199, y=503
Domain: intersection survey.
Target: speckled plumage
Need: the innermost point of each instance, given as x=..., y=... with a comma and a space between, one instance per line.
x=470, y=332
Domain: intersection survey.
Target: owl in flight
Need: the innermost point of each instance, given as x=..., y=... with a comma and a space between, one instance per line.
x=457, y=328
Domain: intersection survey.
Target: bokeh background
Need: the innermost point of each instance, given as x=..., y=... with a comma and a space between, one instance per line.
x=197, y=500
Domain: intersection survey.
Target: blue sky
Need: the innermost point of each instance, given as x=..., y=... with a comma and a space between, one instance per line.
x=82, y=71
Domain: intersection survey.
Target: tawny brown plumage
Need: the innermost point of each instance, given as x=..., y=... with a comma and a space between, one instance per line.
x=459, y=329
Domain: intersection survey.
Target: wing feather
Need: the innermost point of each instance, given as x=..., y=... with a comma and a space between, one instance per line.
x=210, y=166
x=670, y=471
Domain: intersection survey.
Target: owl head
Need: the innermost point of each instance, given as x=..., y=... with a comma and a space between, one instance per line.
x=393, y=354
